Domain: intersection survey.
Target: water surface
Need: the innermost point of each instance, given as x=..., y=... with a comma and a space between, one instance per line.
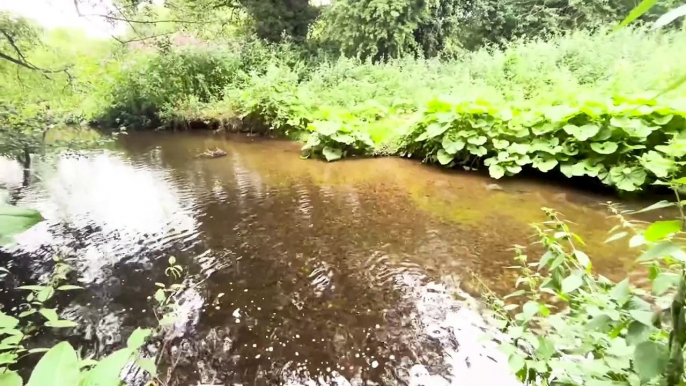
x=298, y=271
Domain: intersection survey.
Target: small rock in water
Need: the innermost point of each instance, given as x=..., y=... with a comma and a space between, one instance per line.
x=494, y=187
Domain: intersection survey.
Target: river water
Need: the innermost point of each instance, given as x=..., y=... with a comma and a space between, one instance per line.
x=298, y=272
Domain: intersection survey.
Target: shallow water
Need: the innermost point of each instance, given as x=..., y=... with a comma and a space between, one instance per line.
x=300, y=271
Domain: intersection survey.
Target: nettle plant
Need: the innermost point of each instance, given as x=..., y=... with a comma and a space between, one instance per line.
x=63, y=365
x=335, y=140
x=570, y=326
x=625, y=143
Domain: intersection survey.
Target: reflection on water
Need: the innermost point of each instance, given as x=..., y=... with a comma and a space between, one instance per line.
x=301, y=272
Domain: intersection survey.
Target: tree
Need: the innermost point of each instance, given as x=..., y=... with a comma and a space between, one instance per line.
x=390, y=28
x=498, y=21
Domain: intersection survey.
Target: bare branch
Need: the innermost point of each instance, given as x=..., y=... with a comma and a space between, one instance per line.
x=116, y=18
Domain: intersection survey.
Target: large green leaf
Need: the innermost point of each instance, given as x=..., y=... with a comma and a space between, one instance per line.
x=662, y=250
x=582, y=133
x=10, y=378
x=634, y=127
x=627, y=178
x=332, y=153
x=496, y=171
x=444, y=157
x=571, y=283
x=15, y=220
x=643, y=7
x=657, y=164
x=7, y=321
x=436, y=129
x=661, y=229
x=58, y=367
x=452, y=143
x=545, y=163
x=108, y=370
x=137, y=338
x=604, y=147
x=650, y=360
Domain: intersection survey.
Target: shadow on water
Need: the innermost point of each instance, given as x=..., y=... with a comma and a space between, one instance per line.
x=301, y=271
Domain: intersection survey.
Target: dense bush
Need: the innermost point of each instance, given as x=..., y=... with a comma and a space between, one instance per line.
x=625, y=143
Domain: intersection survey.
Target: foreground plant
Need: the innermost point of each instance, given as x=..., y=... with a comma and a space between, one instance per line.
x=62, y=365
x=572, y=326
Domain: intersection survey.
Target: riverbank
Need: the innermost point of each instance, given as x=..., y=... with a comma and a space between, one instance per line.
x=581, y=104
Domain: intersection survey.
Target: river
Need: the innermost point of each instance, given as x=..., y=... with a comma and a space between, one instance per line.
x=302, y=272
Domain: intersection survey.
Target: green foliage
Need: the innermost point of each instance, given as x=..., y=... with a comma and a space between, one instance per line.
x=335, y=140
x=624, y=143
x=15, y=220
x=390, y=28
x=569, y=325
x=608, y=328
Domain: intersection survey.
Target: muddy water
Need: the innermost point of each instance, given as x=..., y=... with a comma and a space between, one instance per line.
x=297, y=272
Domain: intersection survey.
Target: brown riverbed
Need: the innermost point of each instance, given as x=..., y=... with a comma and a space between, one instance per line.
x=303, y=268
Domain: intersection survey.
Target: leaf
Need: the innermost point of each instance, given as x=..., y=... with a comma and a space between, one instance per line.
x=634, y=127
x=571, y=283
x=661, y=250
x=621, y=292
x=8, y=358
x=516, y=362
x=436, y=129
x=58, y=367
x=332, y=154
x=650, y=360
x=496, y=171
x=345, y=139
x=637, y=333
x=645, y=317
x=478, y=141
x=663, y=282
x=452, y=144
x=147, y=365
x=544, y=164
x=10, y=378
x=635, y=13
x=49, y=314
x=326, y=128
x=605, y=147
x=61, y=324
x=444, y=157
x=583, y=259
x=657, y=164
x=530, y=309
x=582, y=133
x=68, y=287
x=14, y=220
x=500, y=143
x=45, y=294
x=616, y=236
x=546, y=348
x=7, y=321
x=655, y=206
x=108, y=370
x=627, y=178
x=661, y=229
x=137, y=338
x=33, y=287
